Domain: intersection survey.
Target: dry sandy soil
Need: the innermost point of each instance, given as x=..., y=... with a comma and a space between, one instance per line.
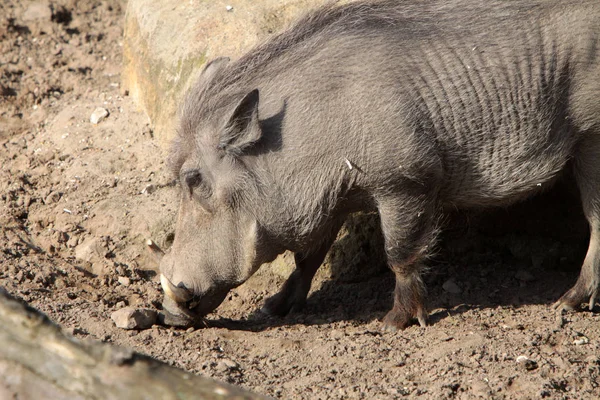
x=78, y=200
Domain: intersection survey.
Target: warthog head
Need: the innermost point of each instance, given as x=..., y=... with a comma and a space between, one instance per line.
x=217, y=243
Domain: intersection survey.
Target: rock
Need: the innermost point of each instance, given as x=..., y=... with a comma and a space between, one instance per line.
x=102, y=267
x=221, y=367
x=336, y=334
x=451, y=287
x=45, y=156
x=125, y=281
x=526, y=363
x=481, y=389
x=60, y=283
x=580, y=341
x=226, y=364
x=39, y=11
x=60, y=237
x=98, y=115
x=73, y=240
x=24, y=201
x=130, y=318
x=47, y=243
x=92, y=248
x=521, y=359
x=148, y=189
x=530, y=365
x=53, y=197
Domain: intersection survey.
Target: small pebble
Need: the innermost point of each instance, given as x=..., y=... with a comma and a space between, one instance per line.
x=528, y=364
x=123, y=280
x=521, y=359
x=130, y=318
x=38, y=11
x=451, y=287
x=559, y=321
x=98, y=115
x=336, y=334
x=149, y=189
x=580, y=341
x=73, y=241
x=53, y=197
x=229, y=8
x=226, y=365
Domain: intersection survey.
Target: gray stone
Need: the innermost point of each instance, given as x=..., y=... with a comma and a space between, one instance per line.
x=39, y=11
x=90, y=249
x=451, y=287
x=73, y=240
x=125, y=281
x=581, y=340
x=226, y=364
x=149, y=189
x=98, y=115
x=53, y=197
x=130, y=318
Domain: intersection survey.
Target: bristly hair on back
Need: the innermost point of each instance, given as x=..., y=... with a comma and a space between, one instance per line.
x=331, y=20
x=320, y=24
x=335, y=19
x=309, y=33
x=324, y=22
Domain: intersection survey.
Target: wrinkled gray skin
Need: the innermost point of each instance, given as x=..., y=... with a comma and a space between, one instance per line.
x=404, y=107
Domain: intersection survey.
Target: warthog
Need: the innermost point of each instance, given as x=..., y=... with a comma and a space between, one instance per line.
x=403, y=107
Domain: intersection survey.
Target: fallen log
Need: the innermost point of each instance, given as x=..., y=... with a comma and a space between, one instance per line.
x=38, y=361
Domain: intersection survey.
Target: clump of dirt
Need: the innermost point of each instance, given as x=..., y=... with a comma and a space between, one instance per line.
x=79, y=199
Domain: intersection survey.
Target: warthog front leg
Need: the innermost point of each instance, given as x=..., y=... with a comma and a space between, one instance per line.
x=292, y=295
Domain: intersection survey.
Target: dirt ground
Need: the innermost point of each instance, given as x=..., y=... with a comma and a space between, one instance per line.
x=78, y=200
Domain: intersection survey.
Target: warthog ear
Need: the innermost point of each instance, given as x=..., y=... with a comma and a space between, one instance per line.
x=243, y=129
x=212, y=67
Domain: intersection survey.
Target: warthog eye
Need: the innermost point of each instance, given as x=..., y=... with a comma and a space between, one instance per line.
x=193, y=179
x=197, y=185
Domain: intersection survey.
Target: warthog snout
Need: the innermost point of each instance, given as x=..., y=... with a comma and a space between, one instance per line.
x=180, y=306
x=178, y=294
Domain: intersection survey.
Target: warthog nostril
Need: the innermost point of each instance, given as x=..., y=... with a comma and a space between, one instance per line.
x=156, y=251
x=179, y=294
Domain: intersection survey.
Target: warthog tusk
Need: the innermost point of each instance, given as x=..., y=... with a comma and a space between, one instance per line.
x=156, y=251
x=180, y=295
